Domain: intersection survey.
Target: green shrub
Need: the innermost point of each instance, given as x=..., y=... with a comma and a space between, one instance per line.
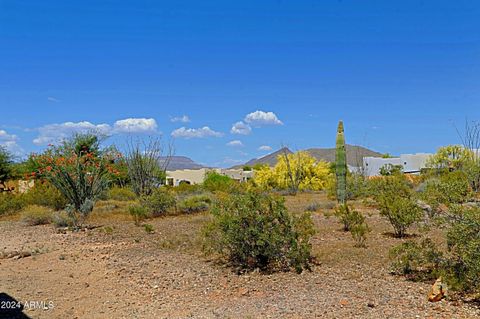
x=121, y=194
x=185, y=188
x=390, y=169
x=359, y=230
x=450, y=188
x=159, y=202
x=148, y=228
x=44, y=194
x=256, y=231
x=357, y=187
x=11, y=203
x=463, y=239
x=217, y=182
x=348, y=216
x=394, y=196
x=139, y=213
x=418, y=259
x=33, y=215
x=401, y=213
x=195, y=204
x=460, y=265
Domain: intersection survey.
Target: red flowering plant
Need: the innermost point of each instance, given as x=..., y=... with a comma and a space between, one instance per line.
x=80, y=170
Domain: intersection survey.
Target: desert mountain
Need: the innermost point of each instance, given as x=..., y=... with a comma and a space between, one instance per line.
x=180, y=162
x=355, y=155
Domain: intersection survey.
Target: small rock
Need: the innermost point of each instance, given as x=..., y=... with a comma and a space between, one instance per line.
x=438, y=291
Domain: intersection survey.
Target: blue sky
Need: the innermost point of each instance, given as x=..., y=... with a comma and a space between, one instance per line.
x=399, y=73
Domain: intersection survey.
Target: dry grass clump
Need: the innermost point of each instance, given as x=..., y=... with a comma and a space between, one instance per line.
x=33, y=215
x=111, y=210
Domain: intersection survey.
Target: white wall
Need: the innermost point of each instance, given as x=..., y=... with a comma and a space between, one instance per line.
x=411, y=163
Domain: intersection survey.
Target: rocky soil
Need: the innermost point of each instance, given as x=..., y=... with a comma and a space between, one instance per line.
x=117, y=270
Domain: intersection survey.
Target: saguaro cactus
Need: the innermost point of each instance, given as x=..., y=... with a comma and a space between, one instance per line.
x=341, y=165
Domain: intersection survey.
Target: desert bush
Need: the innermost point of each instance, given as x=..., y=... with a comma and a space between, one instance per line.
x=463, y=240
x=401, y=212
x=121, y=194
x=45, y=194
x=139, y=213
x=450, y=188
x=148, y=228
x=214, y=182
x=159, y=202
x=394, y=196
x=359, y=232
x=459, y=264
x=185, y=188
x=348, y=216
x=390, y=169
x=146, y=165
x=11, y=203
x=357, y=187
x=420, y=259
x=195, y=204
x=80, y=170
x=62, y=219
x=36, y=215
x=313, y=207
x=256, y=231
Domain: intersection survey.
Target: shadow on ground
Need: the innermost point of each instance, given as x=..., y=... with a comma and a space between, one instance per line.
x=10, y=308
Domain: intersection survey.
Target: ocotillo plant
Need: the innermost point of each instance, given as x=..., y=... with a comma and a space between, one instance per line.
x=341, y=165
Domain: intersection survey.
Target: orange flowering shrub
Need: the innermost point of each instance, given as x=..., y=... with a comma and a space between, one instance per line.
x=79, y=170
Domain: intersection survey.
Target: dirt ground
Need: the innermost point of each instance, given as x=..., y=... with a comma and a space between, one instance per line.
x=118, y=270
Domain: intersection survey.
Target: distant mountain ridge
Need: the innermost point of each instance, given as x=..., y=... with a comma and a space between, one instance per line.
x=270, y=159
x=179, y=162
x=355, y=155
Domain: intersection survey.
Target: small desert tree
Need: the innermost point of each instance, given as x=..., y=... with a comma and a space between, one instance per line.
x=450, y=157
x=458, y=158
x=294, y=172
x=146, y=164
x=79, y=169
x=395, y=198
x=5, y=164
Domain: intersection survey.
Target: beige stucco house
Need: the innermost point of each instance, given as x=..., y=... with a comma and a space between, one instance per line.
x=197, y=176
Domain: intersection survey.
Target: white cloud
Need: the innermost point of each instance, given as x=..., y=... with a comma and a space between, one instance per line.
x=182, y=119
x=53, y=99
x=4, y=136
x=9, y=141
x=135, y=125
x=265, y=148
x=53, y=133
x=195, y=132
x=262, y=118
x=235, y=143
x=241, y=128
